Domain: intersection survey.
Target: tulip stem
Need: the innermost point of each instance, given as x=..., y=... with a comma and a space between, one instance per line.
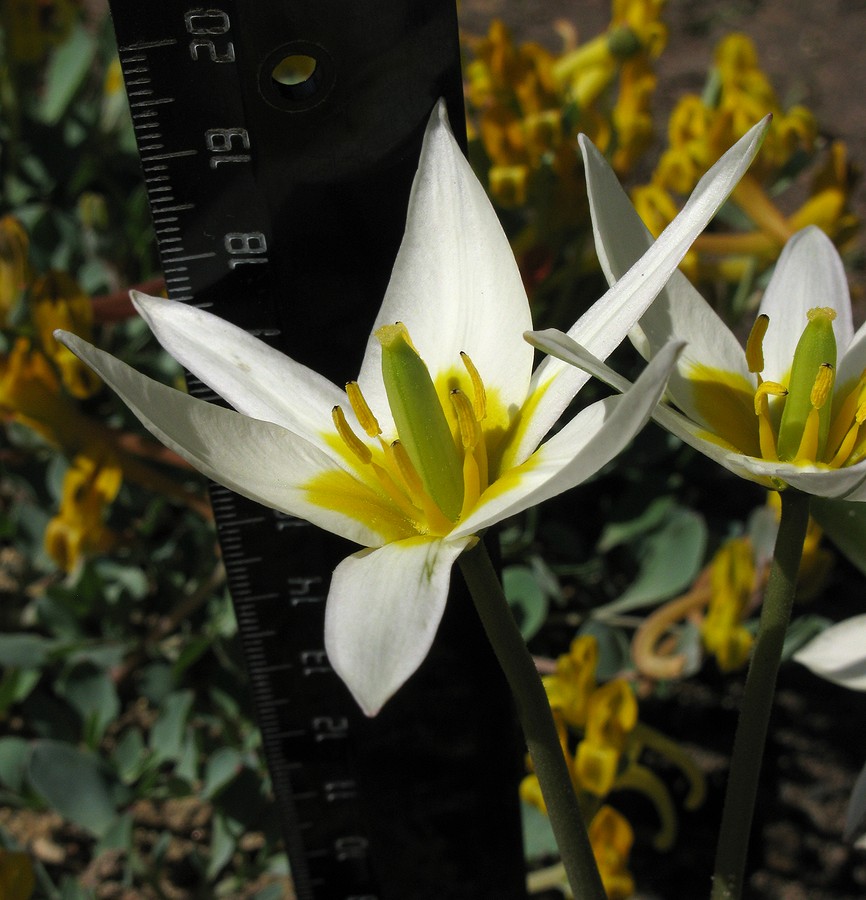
x=757, y=704
x=536, y=720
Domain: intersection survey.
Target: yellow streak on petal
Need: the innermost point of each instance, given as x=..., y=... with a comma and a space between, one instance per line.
x=342, y=493
x=725, y=402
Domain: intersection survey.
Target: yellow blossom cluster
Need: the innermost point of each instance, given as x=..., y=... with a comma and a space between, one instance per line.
x=700, y=128
x=721, y=600
x=41, y=384
x=527, y=105
x=602, y=740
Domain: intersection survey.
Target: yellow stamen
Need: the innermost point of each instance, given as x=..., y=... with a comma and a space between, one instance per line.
x=766, y=435
x=349, y=438
x=755, y=344
x=435, y=518
x=470, y=433
x=823, y=385
x=366, y=419
x=479, y=395
x=807, y=450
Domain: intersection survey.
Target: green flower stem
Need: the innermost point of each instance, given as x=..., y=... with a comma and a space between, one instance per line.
x=536, y=721
x=758, y=699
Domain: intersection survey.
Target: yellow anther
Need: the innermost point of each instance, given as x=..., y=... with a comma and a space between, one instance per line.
x=349, y=438
x=823, y=385
x=466, y=422
x=765, y=389
x=366, y=419
x=479, y=395
x=755, y=344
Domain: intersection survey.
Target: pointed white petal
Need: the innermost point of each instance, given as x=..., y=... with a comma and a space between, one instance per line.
x=854, y=362
x=838, y=654
x=455, y=283
x=254, y=378
x=563, y=347
x=586, y=444
x=258, y=459
x=809, y=273
x=679, y=312
x=383, y=610
x=848, y=483
x=606, y=323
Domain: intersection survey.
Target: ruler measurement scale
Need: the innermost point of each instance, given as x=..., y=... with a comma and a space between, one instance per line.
x=315, y=869
x=250, y=185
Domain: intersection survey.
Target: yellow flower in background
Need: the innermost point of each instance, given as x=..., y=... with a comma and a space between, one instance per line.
x=733, y=583
x=611, y=837
x=14, y=268
x=30, y=393
x=33, y=27
x=573, y=683
x=739, y=94
x=527, y=105
x=56, y=301
x=17, y=878
x=611, y=716
x=90, y=485
x=601, y=723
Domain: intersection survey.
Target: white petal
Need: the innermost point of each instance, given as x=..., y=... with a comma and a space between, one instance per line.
x=455, y=283
x=679, y=312
x=838, y=654
x=602, y=328
x=258, y=459
x=383, y=610
x=586, y=444
x=854, y=362
x=848, y=483
x=254, y=378
x=563, y=347
x=809, y=273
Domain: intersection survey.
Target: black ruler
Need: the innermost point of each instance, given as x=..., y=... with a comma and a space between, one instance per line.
x=278, y=141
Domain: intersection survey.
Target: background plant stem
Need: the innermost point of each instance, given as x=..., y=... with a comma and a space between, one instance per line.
x=536, y=720
x=757, y=704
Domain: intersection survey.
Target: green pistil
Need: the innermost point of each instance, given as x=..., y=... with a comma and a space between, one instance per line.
x=816, y=348
x=420, y=420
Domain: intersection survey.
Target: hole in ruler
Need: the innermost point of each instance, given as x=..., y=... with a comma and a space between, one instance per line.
x=296, y=76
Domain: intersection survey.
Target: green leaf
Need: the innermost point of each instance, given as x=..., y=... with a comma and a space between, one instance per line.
x=14, y=752
x=221, y=768
x=75, y=783
x=92, y=694
x=25, y=651
x=526, y=597
x=167, y=734
x=614, y=650
x=670, y=559
x=224, y=838
x=616, y=533
x=538, y=839
x=67, y=68
x=844, y=522
x=855, y=817
x=130, y=756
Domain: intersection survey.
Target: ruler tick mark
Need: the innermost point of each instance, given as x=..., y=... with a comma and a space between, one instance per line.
x=157, y=102
x=175, y=155
x=148, y=45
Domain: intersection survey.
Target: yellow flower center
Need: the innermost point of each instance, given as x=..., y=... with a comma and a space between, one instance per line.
x=803, y=420
x=434, y=471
